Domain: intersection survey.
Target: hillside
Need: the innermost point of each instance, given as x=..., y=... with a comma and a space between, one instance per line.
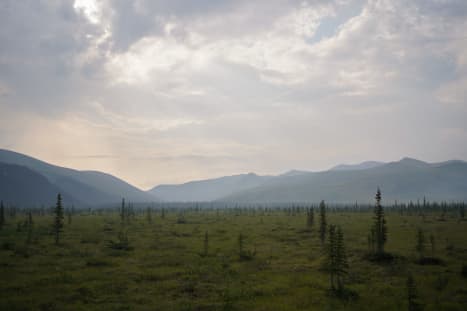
x=22, y=186
x=405, y=180
x=89, y=187
x=210, y=189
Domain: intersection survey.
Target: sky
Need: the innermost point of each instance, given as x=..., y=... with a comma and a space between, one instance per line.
x=170, y=91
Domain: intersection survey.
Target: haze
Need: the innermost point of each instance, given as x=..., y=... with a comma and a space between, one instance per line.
x=169, y=91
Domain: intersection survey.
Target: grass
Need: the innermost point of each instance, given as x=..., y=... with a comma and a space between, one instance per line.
x=163, y=266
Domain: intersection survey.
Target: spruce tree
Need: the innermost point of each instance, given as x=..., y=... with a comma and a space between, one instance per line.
x=379, y=226
x=331, y=260
x=122, y=211
x=2, y=215
x=58, y=220
x=322, y=222
x=310, y=218
x=148, y=215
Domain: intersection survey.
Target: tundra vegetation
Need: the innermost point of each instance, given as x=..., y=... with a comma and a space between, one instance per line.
x=221, y=256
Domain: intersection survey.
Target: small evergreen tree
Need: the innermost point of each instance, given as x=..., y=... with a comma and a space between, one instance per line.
x=310, y=218
x=30, y=221
x=331, y=260
x=58, y=220
x=322, y=222
x=380, y=228
x=336, y=262
x=122, y=211
x=148, y=215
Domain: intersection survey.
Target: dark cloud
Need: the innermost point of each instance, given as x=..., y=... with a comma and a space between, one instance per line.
x=40, y=44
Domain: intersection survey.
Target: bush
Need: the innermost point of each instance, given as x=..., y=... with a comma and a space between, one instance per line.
x=122, y=243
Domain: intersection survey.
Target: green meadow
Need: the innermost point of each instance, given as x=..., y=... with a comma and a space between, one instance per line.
x=191, y=259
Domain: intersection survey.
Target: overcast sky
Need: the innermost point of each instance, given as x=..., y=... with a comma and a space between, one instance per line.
x=170, y=91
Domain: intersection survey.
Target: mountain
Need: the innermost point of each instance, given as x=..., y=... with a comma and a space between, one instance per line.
x=407, y=179
x=86, y=187
x=22, y=186
x=294, y=173
x=361, y=166
x=208, y=190
x=28, y=181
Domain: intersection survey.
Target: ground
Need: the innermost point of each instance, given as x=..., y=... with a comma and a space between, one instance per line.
x=164, y=266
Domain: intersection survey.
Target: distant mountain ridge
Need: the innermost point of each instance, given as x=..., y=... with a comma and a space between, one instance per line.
x=26, y=180
x=209, y=189
x=404, y=180
x=87, y=187
x=407, y=179
x=361, y=166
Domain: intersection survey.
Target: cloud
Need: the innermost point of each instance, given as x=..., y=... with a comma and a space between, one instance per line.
x=202, y=88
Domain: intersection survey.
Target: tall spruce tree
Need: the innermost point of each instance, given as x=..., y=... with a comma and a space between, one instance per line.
x=336, y=260
x=331, y=260
x=380, y=228
x=322, y=222
x=58, y=219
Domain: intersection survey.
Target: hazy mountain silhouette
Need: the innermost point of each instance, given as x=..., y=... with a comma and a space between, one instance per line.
x=407, y=179
x=361, y=166
x=22, y=186
x=26, y=180
x=210, y=189
x=88, y=187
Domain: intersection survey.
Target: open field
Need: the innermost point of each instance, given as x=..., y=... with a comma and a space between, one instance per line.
x=164, y=265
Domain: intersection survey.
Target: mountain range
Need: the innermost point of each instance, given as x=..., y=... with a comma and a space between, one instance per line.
x=88, y=188
x=28, y=181
x=404, y=180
